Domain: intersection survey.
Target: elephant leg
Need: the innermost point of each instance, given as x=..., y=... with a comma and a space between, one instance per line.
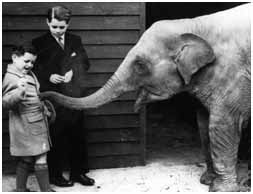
x=224, y=136
x=203, y=123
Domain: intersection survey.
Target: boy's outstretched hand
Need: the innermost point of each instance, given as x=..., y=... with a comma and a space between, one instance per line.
x=22, y=85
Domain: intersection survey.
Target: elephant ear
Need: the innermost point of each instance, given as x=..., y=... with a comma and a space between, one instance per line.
x=194, y=53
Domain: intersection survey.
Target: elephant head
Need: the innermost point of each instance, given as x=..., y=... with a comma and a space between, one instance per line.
x=160, y=65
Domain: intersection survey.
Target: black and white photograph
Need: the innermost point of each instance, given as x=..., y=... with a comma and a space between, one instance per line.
x=134, y=96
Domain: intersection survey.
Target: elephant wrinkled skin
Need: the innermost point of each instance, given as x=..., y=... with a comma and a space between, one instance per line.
x=208, y=56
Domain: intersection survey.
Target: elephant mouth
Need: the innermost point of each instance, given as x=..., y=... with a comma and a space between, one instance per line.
x=152, y=91
x=146, y=95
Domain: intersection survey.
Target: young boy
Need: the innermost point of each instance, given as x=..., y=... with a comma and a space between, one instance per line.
x=29, y=140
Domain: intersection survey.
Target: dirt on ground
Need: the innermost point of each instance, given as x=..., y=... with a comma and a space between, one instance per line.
x=174, y=164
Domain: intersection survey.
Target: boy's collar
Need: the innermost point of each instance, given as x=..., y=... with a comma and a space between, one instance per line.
x=12, y=69
x=57, y=38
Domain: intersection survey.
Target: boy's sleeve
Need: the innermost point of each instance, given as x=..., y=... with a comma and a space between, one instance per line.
x=43, y=67
x=12, y=95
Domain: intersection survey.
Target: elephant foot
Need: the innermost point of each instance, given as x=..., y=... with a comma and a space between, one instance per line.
x=207, y=177
x=245, y=183
x=220, y=185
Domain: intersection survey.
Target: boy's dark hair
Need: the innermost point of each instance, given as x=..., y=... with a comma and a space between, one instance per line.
x=26, y=47
x=60, y=13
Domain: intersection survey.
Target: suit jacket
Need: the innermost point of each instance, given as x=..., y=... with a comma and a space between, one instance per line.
x=53, y=59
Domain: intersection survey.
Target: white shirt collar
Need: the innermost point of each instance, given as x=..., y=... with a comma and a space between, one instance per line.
x=57, y=39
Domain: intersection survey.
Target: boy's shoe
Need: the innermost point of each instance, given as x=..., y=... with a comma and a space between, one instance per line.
x=60, y=181
x=83, y=179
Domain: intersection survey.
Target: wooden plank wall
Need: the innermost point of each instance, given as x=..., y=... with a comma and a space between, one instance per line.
x=108, y=31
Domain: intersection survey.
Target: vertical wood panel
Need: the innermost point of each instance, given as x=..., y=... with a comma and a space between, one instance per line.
x=143, y=117
x=142, y=18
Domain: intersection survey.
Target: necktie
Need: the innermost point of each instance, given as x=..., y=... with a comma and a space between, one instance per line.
x=60, y=39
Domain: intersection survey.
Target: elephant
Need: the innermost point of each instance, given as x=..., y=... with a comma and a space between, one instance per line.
x=208, y=57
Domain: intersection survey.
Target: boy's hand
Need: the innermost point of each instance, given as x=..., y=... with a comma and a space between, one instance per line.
x=56, y=79
x=68, y=76
x=22, y=85
x=49, y=110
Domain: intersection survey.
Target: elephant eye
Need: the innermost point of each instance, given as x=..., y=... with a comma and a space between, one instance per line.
x=141, y=68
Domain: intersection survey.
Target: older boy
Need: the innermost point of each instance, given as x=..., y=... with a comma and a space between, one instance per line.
x=61, y=66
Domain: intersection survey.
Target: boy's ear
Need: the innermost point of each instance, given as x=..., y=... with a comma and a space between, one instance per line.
x=68, y=24
x=47, y=22
x=13, y=57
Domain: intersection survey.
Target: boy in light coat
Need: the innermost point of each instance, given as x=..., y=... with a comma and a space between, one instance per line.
x=28, y=126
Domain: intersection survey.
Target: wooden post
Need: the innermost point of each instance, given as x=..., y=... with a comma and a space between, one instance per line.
x=143, y=110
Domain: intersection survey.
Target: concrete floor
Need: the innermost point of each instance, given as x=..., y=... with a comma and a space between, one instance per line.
x=158, y=175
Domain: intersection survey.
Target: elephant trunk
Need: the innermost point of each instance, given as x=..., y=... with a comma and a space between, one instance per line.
x=112, y=89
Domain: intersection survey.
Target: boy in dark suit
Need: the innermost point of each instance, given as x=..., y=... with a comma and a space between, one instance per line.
x=61, y=66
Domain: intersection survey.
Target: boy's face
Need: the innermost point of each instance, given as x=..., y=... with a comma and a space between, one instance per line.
x=24, y=63
x=56, y=27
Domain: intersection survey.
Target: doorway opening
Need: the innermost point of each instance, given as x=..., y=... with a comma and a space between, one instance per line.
x=172, y=134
